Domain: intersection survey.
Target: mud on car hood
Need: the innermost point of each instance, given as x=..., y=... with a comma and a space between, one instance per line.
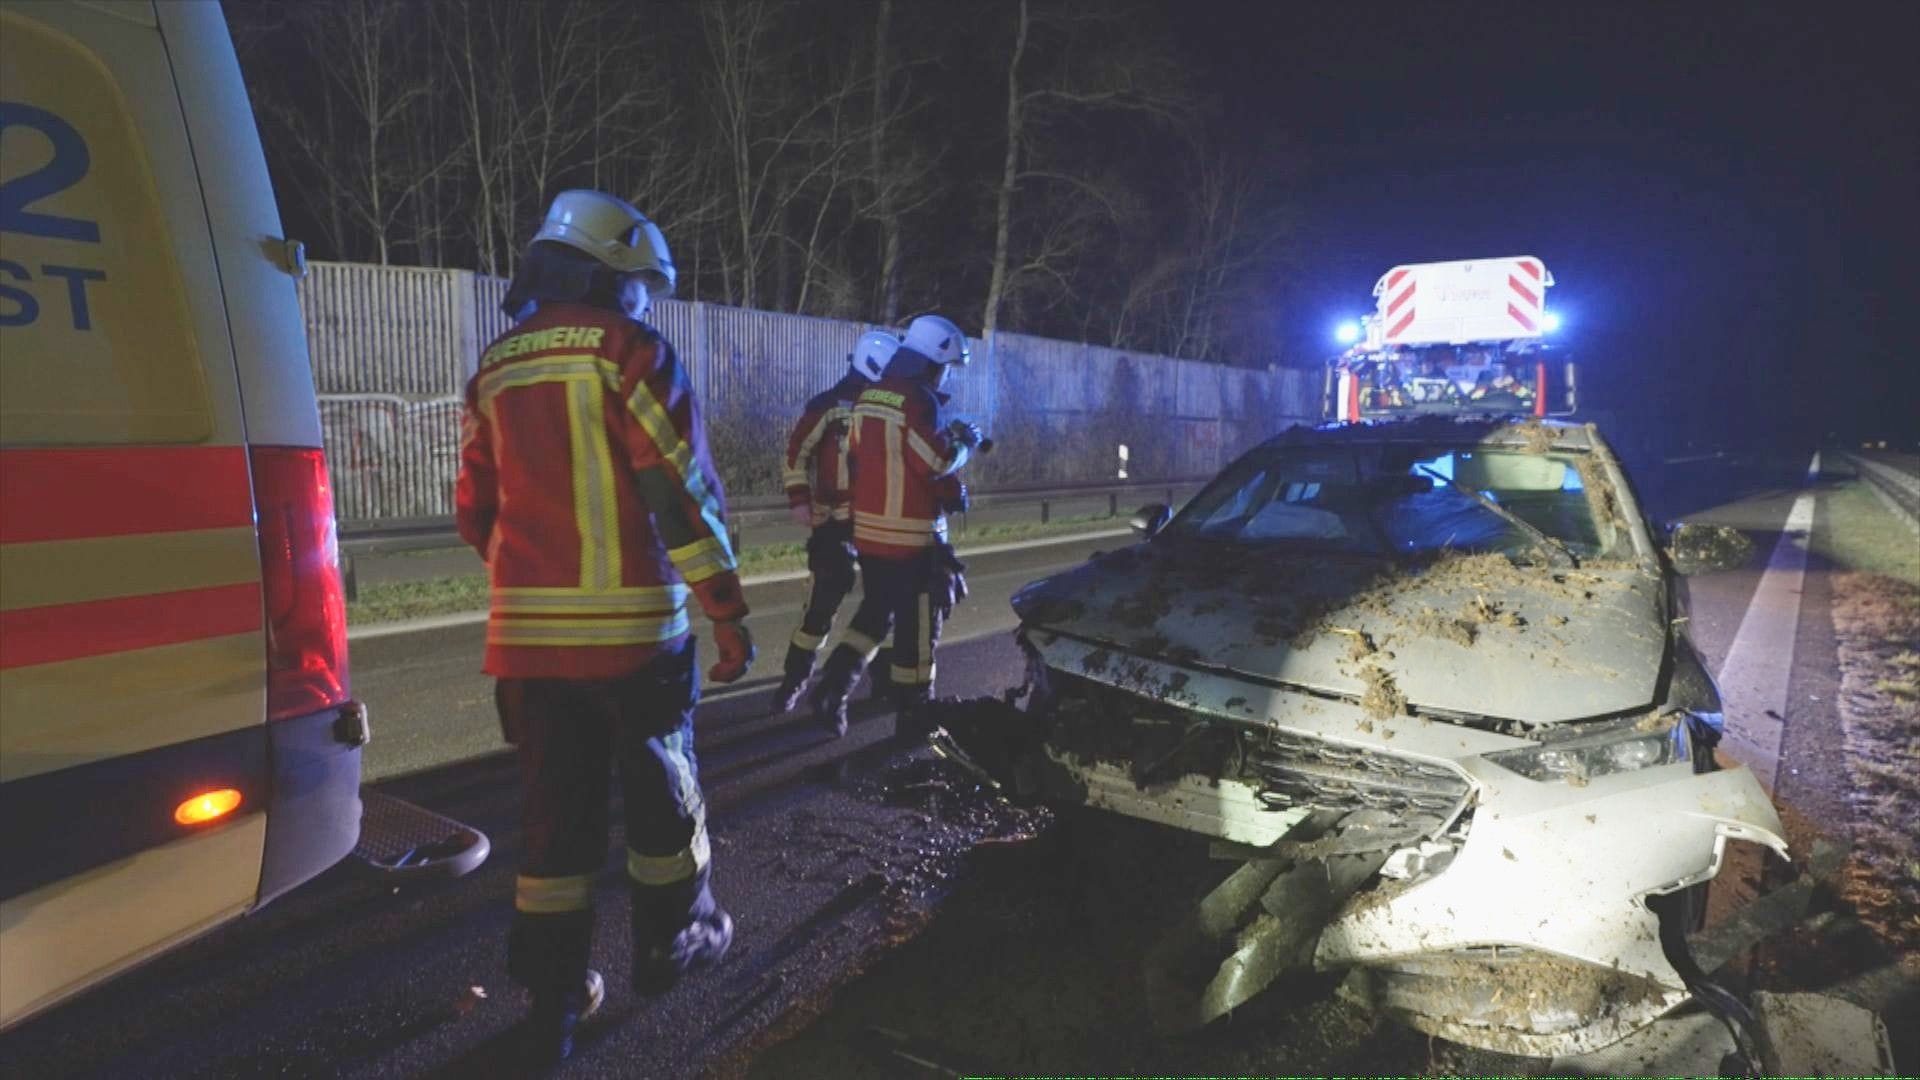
x=1469, y=634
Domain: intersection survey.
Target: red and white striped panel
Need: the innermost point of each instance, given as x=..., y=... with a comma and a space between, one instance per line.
x=1399, y=309
x=1526, y=294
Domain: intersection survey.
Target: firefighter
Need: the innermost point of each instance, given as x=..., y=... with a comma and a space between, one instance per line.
x=816, y=479
x=903, y=455
x=586, y=485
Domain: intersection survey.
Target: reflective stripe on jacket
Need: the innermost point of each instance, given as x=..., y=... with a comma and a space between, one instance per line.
x=898, y=450
x=814, y=470
x=586, y=484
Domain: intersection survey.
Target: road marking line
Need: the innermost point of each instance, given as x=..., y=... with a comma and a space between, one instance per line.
x=709, y=693
x=427, y=623
x=1754, y=679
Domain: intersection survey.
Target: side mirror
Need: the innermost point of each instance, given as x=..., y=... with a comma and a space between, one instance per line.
x=1696, y=548
x=1150, y=519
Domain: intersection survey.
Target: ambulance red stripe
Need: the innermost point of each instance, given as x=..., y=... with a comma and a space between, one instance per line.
x=1519, y=316
x=1532, y=268
x=46, y=635
x=1401, y=326
x=1396, y=277
x=74, y=494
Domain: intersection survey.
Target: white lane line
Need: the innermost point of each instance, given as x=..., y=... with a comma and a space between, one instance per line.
x=709, y=692
x=1753, y=681
x=473, y=618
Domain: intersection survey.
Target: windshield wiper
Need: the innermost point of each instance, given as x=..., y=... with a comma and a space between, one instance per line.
x=1540, y=539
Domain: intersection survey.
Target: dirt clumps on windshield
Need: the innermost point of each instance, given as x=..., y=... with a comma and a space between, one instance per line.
x=1537, y=437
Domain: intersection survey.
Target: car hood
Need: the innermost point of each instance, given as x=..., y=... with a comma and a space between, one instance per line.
x=1466, y=634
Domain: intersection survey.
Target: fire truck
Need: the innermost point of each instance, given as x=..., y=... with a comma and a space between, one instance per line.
x=1469, y=336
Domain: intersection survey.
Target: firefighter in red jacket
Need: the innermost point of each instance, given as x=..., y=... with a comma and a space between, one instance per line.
x=903, y=455
x=586, y=485
x=818, y=494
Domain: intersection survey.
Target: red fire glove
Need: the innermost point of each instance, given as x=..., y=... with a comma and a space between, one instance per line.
x=736, y=651
x=720, y=598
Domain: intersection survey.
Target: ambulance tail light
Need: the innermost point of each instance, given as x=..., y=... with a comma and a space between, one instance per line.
x=300, y=566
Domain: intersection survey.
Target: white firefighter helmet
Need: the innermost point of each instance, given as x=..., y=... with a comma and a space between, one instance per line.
x=613, y=232
x=936, y=338
x=871, y=353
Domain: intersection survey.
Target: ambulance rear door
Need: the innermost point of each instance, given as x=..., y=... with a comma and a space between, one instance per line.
x=134, y=762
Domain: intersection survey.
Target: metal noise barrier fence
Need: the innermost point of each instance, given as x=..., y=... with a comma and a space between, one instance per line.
x=392, y=349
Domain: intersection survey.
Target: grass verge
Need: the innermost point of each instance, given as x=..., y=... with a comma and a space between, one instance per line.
x=1863, y=535
x=1877, y=624
x=391, y=601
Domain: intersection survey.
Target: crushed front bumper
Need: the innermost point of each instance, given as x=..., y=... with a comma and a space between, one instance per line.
x=1555, y=878
x=1516, y=920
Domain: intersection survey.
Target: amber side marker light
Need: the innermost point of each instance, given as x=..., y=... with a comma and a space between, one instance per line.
x=207, y=806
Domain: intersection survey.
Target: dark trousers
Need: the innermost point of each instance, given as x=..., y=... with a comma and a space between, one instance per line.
x=571, y=734
x=832, y=573
x=895, y=599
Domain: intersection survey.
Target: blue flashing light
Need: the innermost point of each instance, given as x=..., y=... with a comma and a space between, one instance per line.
x=1348, y=333
x=1550, y=322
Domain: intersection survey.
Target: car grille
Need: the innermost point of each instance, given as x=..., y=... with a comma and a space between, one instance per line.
x=1294, y=770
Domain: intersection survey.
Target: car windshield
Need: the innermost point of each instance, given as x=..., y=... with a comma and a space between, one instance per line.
x=1401, y=499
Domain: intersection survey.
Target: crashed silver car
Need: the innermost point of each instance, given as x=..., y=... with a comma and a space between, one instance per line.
x=1429, y=681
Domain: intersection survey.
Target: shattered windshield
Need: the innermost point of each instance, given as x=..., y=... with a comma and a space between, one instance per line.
x=1399, y=499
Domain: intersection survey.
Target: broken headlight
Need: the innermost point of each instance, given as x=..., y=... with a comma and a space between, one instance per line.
x=1599, y=750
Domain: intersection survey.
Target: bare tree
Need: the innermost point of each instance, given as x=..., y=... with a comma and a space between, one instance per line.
x=1117, y=76
x=784, y=135
x=793, y=165
x=380, y=88
x=473, y=42
x=900, y=167
x=356, y=161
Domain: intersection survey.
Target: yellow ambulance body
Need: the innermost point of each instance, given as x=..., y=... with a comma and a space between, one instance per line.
x=178, y=740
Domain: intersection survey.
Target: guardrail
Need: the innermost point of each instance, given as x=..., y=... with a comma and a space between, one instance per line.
x=761, y=512
x=1898, y=487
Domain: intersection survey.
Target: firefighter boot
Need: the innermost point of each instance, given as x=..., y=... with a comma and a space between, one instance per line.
x=677, y=929
x=830, y=694
x=913, y=711
x=554, y=1017
x=794, y=683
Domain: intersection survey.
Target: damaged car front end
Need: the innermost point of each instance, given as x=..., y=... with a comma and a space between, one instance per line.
x=1429, y=685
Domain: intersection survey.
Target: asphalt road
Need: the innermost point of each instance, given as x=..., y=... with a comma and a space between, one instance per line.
x=829, y=853
x=432, y=706
x=819, y=857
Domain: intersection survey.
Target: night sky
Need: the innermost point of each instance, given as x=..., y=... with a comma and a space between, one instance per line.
x=1725, y=193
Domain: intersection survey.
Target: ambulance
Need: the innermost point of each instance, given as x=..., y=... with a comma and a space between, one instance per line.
x=179, y=742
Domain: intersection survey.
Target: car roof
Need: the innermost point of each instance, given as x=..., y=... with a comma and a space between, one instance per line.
x=1510, y=431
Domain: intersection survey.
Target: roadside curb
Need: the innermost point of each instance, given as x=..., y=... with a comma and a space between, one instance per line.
x=451, y=620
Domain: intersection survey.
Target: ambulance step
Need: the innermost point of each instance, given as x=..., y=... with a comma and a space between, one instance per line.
x=402, y=840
